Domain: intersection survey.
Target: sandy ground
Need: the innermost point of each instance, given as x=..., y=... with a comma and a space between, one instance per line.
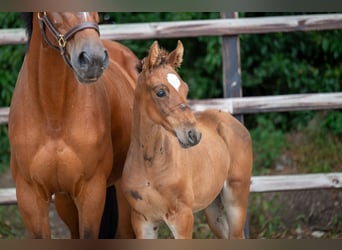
x=58, y=228
x=303, y=214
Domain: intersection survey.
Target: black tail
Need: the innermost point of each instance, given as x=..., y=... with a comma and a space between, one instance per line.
x=109, y=220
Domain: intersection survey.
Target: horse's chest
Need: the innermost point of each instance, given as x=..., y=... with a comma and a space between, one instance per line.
x=61, y=155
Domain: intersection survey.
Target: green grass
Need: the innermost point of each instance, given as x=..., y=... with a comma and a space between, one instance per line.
x=11, y=224
x=319, y=151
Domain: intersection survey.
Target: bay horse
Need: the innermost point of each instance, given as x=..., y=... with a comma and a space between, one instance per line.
x=180, y=161
x=69, y=122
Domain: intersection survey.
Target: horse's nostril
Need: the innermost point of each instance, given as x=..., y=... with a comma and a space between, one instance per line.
x=105, y=60
x=83, y=59
x=192, y=137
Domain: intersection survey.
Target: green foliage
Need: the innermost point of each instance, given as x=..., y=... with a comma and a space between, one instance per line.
x=267, y=144
x=319, y=149
x=11, y=57
x=11, y=223
x=201, y=67
x=333, y=122
x=265, y=216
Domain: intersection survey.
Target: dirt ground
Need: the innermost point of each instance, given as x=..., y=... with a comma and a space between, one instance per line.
x=289, y=215
x=58, y=228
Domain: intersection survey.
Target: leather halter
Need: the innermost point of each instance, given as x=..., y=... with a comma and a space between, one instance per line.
x=62, y=39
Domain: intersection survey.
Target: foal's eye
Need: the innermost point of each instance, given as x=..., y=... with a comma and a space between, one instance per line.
x=161, y=93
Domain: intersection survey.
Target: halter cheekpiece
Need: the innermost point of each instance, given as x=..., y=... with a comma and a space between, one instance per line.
x=62, y=39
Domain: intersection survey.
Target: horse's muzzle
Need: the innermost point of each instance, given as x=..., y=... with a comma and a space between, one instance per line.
x=89, y=63
x=189, y=137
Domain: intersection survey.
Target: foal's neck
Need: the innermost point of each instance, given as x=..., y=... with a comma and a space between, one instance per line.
x=146, y=132
x=151, y=143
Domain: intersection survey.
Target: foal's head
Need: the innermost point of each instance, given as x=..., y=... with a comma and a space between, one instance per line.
x=163, y=94
x=76, y=36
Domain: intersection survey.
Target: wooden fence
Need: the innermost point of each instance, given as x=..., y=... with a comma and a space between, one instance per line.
x=229, y=27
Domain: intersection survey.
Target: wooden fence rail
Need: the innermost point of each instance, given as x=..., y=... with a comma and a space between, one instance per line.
x=195, y=28
x=235, y=105
x=260, y=104
x=274, y=183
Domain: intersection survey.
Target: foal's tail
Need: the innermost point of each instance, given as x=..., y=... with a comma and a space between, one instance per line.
x=109, y=220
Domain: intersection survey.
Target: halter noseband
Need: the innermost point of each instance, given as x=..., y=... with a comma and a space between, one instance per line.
x=62, y=39
x=182, y=106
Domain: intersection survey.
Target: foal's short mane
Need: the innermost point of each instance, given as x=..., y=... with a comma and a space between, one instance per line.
x=27, y=19
x=161, y=60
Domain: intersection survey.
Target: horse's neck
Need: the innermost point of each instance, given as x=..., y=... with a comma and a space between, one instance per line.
x=48, y=75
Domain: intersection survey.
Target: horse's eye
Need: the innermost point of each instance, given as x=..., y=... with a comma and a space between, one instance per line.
x=161, y=93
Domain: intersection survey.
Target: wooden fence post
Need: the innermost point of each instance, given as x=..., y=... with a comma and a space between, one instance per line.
x=232, y=74
x=231, y=64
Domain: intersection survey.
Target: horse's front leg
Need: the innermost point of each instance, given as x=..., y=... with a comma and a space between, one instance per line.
x=181, y=222
x=143, y=228
x=90, y=202
x=33, y=204
x=124, y=229
x=67, y=211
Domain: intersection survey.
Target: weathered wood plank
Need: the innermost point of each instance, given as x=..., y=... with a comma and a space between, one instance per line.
x=8, y=196
x=4, y=115
x=295, y=182
x=260, y=104
x=217, y=27
x=278, y=103
x=258, y=184
x=231, y=64
x=194, y=28
x=12, y=36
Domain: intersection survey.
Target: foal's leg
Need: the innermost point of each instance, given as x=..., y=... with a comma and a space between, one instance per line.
x=143, y=228
x=67, y=210
x=90, y=203
x=34, y=205
x=235, y=199
x=217, y=219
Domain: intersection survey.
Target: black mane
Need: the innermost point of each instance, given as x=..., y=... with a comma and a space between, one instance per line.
x=27, y=18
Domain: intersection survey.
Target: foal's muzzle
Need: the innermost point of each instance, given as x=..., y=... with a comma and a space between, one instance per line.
x=189, y=137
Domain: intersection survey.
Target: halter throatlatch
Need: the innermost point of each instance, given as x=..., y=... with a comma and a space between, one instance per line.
x=62, y=39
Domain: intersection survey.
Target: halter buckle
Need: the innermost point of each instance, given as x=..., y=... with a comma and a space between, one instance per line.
x=40, y=15
x=61, y=41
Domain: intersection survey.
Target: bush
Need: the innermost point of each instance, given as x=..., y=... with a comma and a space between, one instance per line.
x=11, y=57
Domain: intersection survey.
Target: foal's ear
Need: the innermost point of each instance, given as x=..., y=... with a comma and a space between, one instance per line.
x=175, y=58
x=152, y=55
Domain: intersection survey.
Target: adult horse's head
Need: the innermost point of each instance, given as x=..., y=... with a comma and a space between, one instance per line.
x=76, y=35
x=164, y=94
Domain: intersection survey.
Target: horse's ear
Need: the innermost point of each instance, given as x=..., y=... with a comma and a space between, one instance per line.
x=151, y=60
x=175, y=58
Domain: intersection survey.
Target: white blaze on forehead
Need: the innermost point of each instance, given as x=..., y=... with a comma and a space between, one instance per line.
x=173, y=80
x=85, y=15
